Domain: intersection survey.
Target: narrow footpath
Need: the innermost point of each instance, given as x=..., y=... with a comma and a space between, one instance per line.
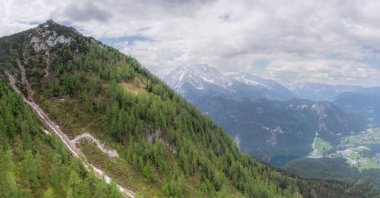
x=70, y=145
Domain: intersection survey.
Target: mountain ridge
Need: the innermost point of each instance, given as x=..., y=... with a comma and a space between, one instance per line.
x=202, y=76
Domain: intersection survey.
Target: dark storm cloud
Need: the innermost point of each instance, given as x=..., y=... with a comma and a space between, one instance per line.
x=86, y=12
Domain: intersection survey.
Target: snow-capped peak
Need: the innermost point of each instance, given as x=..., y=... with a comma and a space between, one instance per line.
x=203, y=77
x=196, y=75
x=248, y=79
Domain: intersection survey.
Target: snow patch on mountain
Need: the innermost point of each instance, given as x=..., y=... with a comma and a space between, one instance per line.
x=202, y=76
x=198, y=76
x=248, y=79
x=299, y=106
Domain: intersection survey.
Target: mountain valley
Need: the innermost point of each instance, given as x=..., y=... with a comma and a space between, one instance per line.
x=268, y=119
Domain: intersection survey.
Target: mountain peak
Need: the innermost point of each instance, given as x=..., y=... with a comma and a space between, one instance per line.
x=201, y=76
x=197, y=75
x=49, y=22
x=51, y=25
x=51, y=34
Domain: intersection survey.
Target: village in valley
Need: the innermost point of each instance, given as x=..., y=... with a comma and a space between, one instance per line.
x=360, y=150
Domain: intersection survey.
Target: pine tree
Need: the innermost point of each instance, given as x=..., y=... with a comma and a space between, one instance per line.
x=7, y=174
x=49, y=193
x=101, y=190
x=30, y=167
x=74, y=186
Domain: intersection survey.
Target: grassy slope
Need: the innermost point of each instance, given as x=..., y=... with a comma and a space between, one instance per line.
x=322, y=146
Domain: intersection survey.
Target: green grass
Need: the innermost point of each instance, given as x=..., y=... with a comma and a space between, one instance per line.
x=129, y=87
x=322, y=146
x=359, y=145
x=130, y=177
x=119, y=169
x=66, y=113
x=375, y=133
x=372, y=136
x=370, y=164
x=354, y=155
x=361, y=149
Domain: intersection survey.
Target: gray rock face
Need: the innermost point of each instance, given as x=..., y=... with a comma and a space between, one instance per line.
x=54, y=40
x=44, y=38
x=38, y=45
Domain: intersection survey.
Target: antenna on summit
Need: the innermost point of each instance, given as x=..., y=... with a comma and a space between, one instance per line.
x=50, y=19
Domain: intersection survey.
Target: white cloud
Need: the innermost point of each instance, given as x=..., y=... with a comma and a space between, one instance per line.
x=320, y=41
x=321, y=70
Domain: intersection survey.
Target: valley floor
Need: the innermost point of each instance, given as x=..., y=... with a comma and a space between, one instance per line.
x=360, y=150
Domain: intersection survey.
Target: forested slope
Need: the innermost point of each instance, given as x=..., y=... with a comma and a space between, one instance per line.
x=166, y=146
x=34, y=164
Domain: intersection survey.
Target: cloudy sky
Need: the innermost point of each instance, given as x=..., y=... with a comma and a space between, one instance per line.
x=329, y=41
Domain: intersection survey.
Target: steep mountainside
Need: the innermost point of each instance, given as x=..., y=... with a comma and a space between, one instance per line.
x=250, y=86
x=323, y=168
x=277, y=131
x=165, y=146
x=34, y=163
x=273, y=130
x=364, y=102
x=355, y=99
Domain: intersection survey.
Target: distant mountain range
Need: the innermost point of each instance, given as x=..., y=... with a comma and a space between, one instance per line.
x=318, y=91
x=364, y=102
x=265, y=118
x=205, y=79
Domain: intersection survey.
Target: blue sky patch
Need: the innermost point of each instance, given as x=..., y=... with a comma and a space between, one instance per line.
x=371, y=62
x=260, y=64
x=225, y=17
x=335, y=55
x=130, y=39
